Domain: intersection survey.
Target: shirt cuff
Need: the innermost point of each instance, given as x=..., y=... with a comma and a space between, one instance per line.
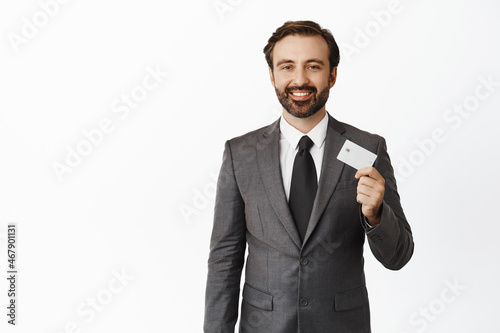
x=364, y=221
x=368, y=226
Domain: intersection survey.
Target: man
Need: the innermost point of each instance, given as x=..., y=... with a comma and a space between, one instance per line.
x=303, y=213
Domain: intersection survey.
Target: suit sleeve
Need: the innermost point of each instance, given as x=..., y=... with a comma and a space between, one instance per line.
x=391, y=241
x=227, y=251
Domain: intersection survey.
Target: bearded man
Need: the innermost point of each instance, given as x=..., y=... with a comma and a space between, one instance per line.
x=303, y=213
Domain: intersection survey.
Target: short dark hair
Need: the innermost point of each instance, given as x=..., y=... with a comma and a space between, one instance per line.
x=303, y=28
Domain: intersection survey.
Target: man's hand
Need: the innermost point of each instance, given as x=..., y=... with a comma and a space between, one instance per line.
x=371, y=188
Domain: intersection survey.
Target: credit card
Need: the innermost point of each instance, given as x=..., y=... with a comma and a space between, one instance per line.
x=356, y=156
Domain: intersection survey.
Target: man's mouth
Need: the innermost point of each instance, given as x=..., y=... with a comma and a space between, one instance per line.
x=301, y=95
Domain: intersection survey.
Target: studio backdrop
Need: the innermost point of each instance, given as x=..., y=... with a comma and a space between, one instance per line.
x=113, y=118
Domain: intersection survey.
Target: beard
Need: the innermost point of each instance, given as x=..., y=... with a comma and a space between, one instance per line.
x=303, y=109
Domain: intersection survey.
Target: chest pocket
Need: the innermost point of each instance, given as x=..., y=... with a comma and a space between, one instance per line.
x=347, y=184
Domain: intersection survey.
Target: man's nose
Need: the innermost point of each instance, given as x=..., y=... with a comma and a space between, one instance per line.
x=300, y=77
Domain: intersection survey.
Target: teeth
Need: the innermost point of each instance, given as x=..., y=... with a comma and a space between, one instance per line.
x=300, y=94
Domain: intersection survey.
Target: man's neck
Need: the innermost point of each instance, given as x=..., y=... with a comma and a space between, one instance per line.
x=305, y=125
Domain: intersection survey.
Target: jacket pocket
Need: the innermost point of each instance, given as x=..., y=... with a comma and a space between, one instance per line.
x=351, y=299
x=347, y=184
x=257, y=298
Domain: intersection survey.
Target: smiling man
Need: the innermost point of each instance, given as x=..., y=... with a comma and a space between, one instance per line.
x=303, y=213
x=302, y=67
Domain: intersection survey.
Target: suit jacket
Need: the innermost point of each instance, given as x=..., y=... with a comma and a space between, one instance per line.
x=311, y=286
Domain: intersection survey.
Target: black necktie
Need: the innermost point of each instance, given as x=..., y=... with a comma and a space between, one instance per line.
x=304, y=185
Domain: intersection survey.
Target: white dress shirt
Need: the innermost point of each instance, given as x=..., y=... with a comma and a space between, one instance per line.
x=289, y=142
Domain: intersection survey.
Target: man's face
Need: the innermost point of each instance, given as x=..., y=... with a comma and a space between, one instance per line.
x=301, y=75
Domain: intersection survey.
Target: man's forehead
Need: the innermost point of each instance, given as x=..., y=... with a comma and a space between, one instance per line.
x=301, y=47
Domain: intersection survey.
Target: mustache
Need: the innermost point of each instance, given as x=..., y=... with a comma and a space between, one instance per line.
x=308, y=88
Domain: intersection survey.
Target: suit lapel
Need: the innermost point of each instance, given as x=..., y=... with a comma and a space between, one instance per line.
x=268, y=157
x=331, y=170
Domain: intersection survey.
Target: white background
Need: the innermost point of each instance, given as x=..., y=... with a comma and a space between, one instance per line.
x=140, y=203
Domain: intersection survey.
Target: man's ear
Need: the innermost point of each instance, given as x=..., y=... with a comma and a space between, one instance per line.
x=333, y=76
x=271, y=76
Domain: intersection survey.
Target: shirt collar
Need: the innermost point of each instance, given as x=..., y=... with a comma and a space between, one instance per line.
x=293, y=135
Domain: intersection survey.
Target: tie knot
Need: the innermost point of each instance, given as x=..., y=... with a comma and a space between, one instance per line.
x=305, y=143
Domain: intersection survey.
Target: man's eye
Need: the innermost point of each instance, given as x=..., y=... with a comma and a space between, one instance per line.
x=314, y=67
x=286, y=67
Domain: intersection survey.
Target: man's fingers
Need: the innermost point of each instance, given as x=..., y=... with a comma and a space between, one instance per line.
x=361, y=198
x=370, y=191
x=369, y=172
x=367, y=190
x=368, y=182
x=370, y=186
x=366, y=201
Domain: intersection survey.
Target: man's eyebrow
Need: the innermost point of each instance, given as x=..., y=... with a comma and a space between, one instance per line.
x=321, y=62
x=287, y=61
x=284, y=61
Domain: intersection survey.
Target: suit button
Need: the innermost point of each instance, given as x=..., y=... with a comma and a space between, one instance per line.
x=304, y=261
x=303, y=302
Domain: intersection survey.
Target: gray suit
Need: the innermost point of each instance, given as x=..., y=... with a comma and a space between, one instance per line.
x=314, y=286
